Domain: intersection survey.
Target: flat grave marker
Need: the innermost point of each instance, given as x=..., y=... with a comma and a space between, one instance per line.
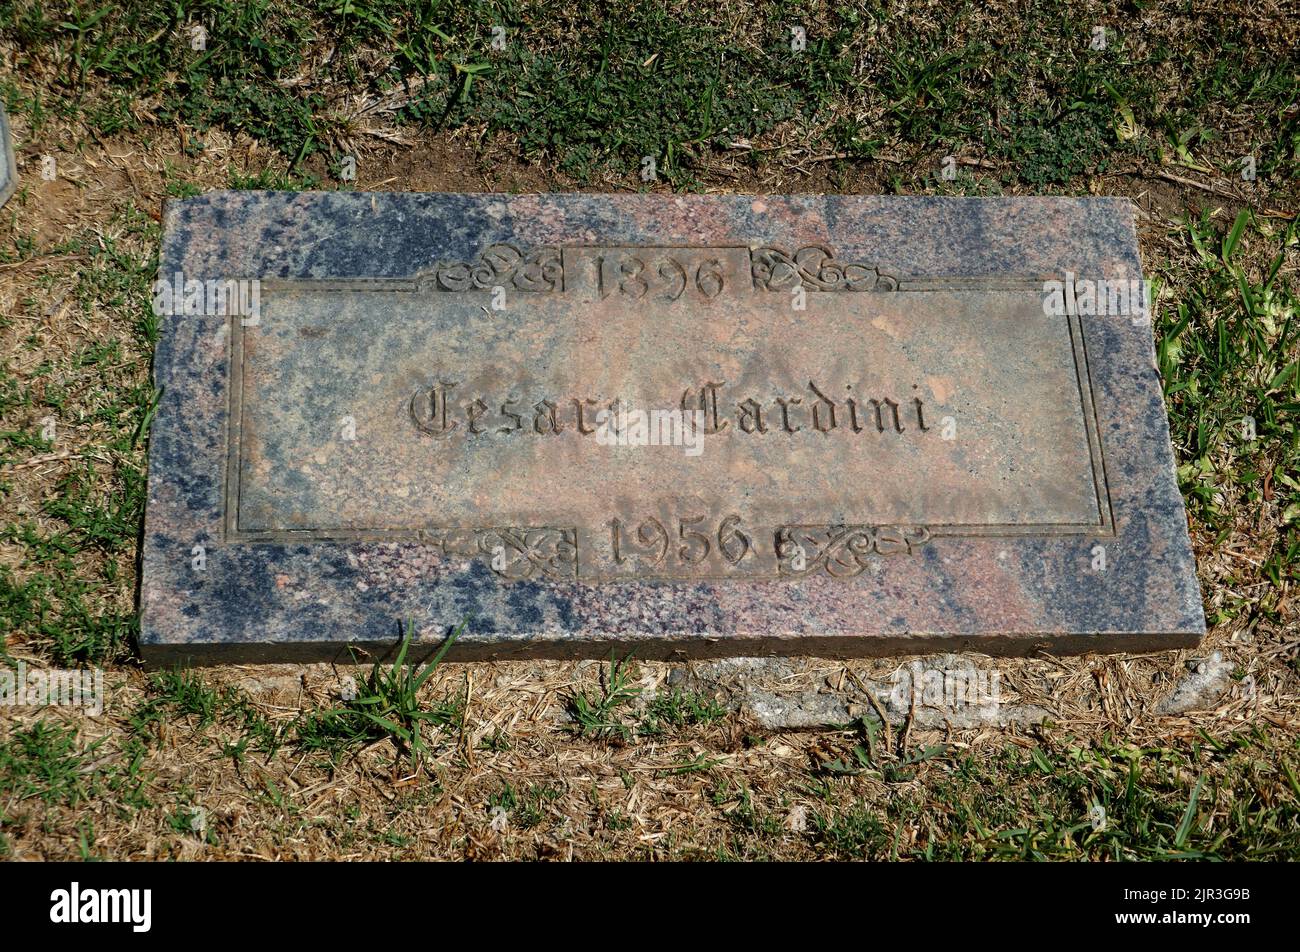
x=673, y=426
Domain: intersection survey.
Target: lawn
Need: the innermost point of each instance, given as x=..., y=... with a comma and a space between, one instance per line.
x=1190, y=110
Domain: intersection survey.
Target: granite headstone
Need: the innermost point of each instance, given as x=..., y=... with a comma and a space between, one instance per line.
x=673, y=426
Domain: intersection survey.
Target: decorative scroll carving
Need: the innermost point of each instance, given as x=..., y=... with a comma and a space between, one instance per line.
x=841, y=551
x=504, y=266
x=813, y=267
x=515, y=554
x=816, y=269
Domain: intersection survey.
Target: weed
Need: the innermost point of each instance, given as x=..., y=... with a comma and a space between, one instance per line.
x=387, y=707
x=597, y=715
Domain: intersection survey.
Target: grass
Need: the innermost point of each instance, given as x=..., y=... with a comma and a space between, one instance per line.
x=185, y=696
x=80, y=534
x=49, y=763
x=674, y=709
x=385, y=706
x=1229, y=354
x=1232, y=799
x=869, y=758
x=594, y=94
x=526, y=808
x=599, y=714
x=579, y=97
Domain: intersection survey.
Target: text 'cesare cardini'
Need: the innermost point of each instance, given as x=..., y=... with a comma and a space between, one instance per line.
x=447, y=409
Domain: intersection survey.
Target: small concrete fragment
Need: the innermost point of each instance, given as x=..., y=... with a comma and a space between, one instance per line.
x=937, y=692
x=802, y=711
x=1204, y=684
x=8, y=169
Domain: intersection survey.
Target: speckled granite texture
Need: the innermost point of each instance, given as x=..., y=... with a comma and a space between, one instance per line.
x=935, y=462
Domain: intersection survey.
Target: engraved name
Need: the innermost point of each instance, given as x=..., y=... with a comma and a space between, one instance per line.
x=446, y=409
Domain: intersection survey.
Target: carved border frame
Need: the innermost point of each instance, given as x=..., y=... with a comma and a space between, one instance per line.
x=832, y=276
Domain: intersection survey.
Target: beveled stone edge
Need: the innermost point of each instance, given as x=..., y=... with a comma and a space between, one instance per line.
x=691, y=647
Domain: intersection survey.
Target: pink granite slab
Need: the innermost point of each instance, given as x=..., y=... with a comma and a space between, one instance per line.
x=900, y=445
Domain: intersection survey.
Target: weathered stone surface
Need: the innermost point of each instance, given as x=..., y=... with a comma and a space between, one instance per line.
x=1204, y=684
x=8, y=171
x=897, y=448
